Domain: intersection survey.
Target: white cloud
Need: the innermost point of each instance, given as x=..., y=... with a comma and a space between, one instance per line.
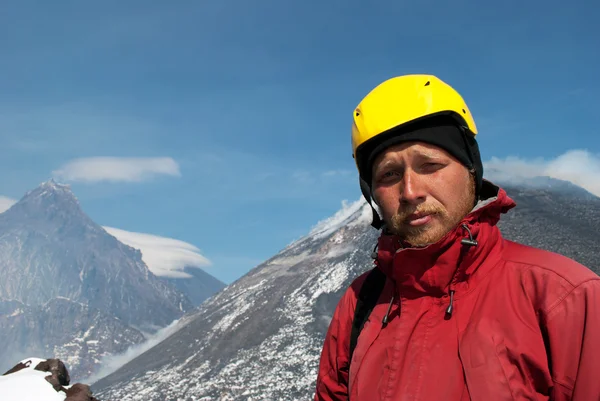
x=6, y=203
x=304, y=177
x=129, y=169
x=165, y=257
x=336, y=173
x=577, y=166
x=323, y=177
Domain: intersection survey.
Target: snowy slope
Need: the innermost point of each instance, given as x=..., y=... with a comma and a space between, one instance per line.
x=29, y=385
x=261, y=337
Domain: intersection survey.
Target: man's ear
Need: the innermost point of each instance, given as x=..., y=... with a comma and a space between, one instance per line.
x=473, y=179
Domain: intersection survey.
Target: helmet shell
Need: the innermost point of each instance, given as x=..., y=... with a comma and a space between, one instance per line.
x=402, y=100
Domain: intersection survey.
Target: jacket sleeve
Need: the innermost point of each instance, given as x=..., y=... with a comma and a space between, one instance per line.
x=332, y=377
x=573, y=328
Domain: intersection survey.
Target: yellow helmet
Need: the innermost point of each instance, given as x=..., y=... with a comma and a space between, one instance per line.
x=406, y=107
x=403, y=100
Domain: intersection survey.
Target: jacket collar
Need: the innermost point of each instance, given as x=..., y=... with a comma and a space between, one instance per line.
x=448, y=264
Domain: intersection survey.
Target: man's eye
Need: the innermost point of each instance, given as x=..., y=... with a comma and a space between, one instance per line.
x=386, y=175
x=432, y=166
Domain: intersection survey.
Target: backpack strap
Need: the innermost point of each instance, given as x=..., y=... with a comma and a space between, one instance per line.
x=367, y=299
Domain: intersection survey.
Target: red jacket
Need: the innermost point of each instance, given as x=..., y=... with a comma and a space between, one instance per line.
x=525, y=323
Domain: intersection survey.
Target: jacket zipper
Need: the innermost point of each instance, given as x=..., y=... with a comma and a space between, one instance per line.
x=470, y=242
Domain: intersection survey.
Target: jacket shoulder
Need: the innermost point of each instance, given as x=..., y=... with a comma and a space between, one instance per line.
x=548, y=263
x=547, y=277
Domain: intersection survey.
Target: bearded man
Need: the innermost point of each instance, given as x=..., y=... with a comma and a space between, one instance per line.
x=457, y=312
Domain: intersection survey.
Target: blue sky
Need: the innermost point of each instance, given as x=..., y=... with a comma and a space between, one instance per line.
x=244, y=109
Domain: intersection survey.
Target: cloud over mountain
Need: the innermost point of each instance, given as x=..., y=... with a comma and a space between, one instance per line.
x=115, y=169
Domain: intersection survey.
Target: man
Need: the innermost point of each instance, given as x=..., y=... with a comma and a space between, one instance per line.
x=462, y=313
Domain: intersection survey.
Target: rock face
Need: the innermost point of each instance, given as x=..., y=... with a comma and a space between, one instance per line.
x=71, y=290
x=260, y=338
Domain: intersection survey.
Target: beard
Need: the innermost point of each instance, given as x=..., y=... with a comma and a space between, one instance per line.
x=442, y=220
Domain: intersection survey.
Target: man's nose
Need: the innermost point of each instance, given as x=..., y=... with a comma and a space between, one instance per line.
x=412, y=188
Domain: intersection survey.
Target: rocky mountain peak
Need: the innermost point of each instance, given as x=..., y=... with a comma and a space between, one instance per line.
x=49, y=202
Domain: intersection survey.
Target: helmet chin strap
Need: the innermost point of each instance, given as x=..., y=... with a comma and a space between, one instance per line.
x=377, y=222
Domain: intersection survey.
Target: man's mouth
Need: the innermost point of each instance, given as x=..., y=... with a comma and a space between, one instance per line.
x=418, y=219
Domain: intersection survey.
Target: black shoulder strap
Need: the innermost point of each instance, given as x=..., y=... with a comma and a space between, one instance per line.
x=367, y=298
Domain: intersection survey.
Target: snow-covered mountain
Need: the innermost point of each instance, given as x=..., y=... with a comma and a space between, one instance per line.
x=71, y=290
x=49, y=248
x=261, y=337
x=78, y=335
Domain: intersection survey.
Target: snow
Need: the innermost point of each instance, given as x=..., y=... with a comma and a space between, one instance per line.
x=240, y=306
x=288, y=261
x=17, y=312
x=332, y=279
x=51, y=184
x=346, y=215
x=29, y=385
x=50, y=188
x=165, y=257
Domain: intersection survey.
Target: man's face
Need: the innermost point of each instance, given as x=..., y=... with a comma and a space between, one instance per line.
x=423, y=191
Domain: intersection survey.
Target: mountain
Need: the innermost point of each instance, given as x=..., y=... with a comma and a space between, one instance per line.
x=198, y=287
x=51, y=248
x=70, y=286
x=261, y=337
x=75, y=333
